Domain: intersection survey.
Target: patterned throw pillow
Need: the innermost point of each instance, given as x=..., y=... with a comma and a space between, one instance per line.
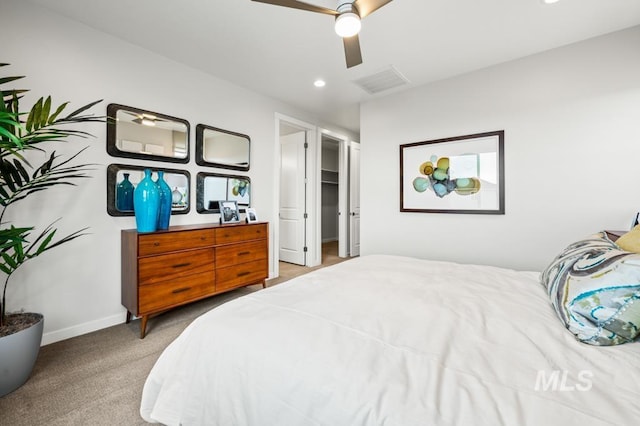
x=594, y=287
x=631, y=240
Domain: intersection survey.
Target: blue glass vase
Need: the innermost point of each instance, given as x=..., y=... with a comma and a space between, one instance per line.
x=164, y=214
x=146, y=204
x=124, y=195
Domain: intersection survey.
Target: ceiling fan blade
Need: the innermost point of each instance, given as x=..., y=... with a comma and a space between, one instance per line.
x=352, y=51
x=295, y=4
x=367, y=7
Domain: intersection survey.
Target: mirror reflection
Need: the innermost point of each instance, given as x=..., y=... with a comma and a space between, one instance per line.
x=122, y=180
x=136, y=133
x=222, y=148
x=211, y=188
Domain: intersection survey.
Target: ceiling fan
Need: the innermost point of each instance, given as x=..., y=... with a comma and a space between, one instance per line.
x=348, y=16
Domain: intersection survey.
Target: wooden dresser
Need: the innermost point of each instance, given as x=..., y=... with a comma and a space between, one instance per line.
x=165, y=269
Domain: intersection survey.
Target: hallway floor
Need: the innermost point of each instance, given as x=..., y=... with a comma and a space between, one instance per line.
x=290, y=270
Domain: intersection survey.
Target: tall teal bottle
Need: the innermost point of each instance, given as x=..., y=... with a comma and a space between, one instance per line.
x=164, y=215
x=146, y=204
x=124, y=195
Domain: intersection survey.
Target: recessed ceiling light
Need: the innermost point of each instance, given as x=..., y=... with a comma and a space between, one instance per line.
x=549, y=1
x=319, y=83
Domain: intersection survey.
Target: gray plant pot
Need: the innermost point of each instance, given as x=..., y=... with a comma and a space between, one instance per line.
x=18, y=353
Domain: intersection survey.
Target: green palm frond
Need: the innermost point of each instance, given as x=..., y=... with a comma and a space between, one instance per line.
x=16, y=183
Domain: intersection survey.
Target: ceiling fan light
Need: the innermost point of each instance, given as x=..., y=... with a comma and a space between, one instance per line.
x=347, y=24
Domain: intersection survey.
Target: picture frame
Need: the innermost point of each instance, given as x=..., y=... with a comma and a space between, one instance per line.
x=229, y=211
x=252, y=216
x=462, y=174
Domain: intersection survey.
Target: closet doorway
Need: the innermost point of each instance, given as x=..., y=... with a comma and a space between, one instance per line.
x=339, y=195
x=330, y=197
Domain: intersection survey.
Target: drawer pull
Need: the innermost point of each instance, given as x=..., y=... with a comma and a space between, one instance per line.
x=180, y=265
x=181, y=290
x=203, y=238
x=244, y=253
x=242, y=274
x=156, y=244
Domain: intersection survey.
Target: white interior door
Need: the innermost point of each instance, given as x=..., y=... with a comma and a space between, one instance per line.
x=292, y=198
x=343, y=199
x=354, y=199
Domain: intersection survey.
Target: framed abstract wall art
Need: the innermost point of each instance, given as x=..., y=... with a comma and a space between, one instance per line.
x=462, y=174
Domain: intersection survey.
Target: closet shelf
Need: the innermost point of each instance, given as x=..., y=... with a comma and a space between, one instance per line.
x=328, y=176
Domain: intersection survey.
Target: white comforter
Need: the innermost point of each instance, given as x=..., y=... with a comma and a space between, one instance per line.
x=387, y=340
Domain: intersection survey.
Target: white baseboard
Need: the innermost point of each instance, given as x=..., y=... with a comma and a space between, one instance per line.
x=80, y=329
x=329, y=240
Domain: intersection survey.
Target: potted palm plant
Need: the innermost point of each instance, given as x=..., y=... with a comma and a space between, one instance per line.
x=22, y=136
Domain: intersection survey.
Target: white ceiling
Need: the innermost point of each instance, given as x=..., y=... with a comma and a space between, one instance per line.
x=279, y=51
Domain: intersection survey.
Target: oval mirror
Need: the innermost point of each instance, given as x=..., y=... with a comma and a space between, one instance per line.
x=222, y=148
x=212, y=188
x=136, y=133
x=122, y=180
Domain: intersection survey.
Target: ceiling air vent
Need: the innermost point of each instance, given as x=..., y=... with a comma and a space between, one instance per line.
x=381, y=81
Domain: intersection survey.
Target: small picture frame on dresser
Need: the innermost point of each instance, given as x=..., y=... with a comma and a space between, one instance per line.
x=252, y=216
x=229, y=211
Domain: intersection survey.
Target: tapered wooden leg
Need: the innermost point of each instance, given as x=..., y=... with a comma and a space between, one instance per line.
x=143, y=326
x=128, y=320
x=264, y=284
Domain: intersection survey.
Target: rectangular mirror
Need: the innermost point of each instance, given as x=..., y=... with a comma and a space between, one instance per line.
x=222, y=148
x=136, y=133
x=212, y=187
x=122, y=180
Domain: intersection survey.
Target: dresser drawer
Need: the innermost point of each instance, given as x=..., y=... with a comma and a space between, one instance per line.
x=240, y=253
x=155, y=243
x=238, y=275
x=167, y=294
x=232, y=234
x=174, y=266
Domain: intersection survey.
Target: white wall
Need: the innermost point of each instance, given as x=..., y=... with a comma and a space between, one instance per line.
x=572, y=143
x=77, y=286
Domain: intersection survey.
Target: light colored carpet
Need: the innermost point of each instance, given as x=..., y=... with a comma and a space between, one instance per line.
x=97, y=379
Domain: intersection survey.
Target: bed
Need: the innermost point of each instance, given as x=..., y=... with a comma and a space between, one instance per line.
x=390, y=340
